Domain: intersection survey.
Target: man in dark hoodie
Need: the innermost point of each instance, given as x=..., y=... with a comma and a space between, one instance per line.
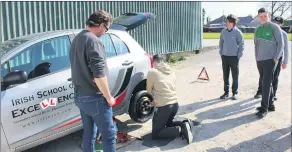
x=161, y=85
x=269, y=45
x=231, y=46
x=283, y=61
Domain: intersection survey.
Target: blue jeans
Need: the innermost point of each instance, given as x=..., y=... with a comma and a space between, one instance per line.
x=94, y=109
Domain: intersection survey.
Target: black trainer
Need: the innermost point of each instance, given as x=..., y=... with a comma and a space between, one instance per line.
x=270, y=108
x=262, y=113
x=224, y=96
x=258, y=95
x=186, y=132
x=234, y=97
x=259, y=108
x=275, y=98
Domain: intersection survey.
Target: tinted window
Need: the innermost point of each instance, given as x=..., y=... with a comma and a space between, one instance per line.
x=120, y=46
x=4, y=70
x=22, y=61
x=108, y=45
x=43, y=58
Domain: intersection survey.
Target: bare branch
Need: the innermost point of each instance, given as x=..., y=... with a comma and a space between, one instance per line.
x=281, y=5
x=274, y=4
x=284, y=10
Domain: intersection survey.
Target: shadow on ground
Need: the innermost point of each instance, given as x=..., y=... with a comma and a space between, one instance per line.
x=128, y=126
x=206, y=131
x=210, y=130
x=275, y=141
x=230, y=110
x=198, y=105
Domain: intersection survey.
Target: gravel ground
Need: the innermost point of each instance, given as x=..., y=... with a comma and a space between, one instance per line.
x=227, y=126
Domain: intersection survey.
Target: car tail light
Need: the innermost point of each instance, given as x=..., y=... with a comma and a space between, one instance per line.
x=151, y=59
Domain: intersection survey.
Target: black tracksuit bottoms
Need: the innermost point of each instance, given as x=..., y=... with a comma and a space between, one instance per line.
x=163, y=126
x=266, y=70
x=230, y=62
x=275, y=79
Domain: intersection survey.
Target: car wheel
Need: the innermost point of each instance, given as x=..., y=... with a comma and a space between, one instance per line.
x=139, y=109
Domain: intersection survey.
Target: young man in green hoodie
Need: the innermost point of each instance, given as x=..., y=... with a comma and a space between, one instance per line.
x=269, y=46
x=161, y=85
x=283, y=61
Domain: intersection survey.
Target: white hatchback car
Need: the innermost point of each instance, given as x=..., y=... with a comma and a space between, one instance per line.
x=36, y=68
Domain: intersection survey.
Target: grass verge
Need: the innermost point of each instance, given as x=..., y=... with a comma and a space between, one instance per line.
x=247, y=36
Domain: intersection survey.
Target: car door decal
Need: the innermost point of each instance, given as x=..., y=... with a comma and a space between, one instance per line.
x=118, y=82
x=126, y=81
x=120, y=96
x=123, y=79
x=119, y=91
x=68, y=123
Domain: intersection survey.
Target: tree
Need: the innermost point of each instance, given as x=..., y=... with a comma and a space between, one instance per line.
x=278, y=8
x=204, y=15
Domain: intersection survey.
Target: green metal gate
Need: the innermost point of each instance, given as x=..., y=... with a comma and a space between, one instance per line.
x=177, y=26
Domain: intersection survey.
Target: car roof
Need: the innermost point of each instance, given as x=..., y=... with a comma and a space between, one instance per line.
x=49, y=34
x=36, y=36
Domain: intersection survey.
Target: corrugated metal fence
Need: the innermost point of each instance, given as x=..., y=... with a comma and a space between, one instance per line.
x=177, y=26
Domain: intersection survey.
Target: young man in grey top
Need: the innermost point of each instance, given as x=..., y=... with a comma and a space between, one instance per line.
x=269, y=47
x=231, y=48
x=283, y=61
x=89, y=75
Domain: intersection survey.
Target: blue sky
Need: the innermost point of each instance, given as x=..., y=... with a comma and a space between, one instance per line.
x=240, y=9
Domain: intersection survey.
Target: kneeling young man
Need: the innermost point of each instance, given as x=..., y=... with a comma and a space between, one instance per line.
x=161, y=85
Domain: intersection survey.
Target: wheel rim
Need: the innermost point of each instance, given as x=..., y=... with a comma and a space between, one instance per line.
x=144, y=108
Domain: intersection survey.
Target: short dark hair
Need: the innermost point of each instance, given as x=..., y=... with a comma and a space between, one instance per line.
x=232, y=19
x=157, y=58
x=278, y=20
x=262, y=10
x=99, y=17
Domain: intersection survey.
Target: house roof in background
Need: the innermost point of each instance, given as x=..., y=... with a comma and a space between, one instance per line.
x=246, y=19
x=219, y=20
x=222, y=19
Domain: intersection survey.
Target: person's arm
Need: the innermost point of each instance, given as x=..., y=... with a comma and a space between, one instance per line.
x=286, y=53
x=102, y=85
x=97, y=65
x=240, y=43
x=149, y=83
x=255, y=43
x=280, y=42
x=221, y=41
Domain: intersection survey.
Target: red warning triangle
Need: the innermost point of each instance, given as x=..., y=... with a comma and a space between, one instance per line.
x=203, y=75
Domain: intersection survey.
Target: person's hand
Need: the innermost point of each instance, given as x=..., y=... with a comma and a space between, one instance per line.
x=111, y=101
x=276, y=60
x=153, y=103
x=284, y=66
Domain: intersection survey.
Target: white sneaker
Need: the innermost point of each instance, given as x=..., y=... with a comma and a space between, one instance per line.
x=187, y=132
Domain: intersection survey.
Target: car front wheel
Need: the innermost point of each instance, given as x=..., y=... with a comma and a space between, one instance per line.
x=140, y=109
